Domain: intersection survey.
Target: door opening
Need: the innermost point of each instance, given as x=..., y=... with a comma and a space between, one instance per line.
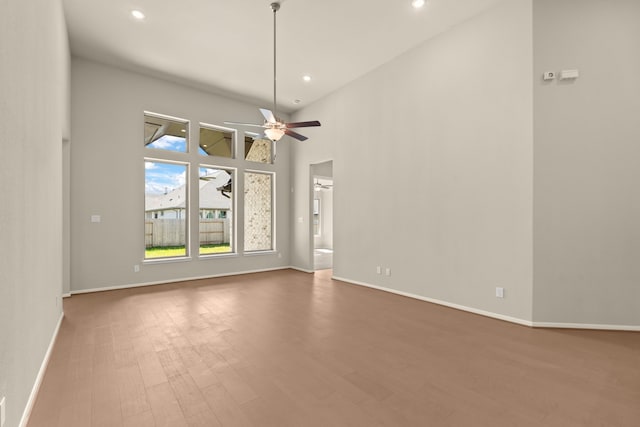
x=322, y=215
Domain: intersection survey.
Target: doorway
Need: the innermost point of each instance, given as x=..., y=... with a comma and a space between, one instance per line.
x=322, y=215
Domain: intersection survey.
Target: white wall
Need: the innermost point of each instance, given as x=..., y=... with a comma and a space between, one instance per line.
x=445, y=132
x=587, y=146
x=107, y=177
x=33, y=122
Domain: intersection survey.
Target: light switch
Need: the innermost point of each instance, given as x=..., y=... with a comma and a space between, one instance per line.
x=569, y=74
x=95, y=218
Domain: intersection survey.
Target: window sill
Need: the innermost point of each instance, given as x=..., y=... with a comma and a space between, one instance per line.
x=166, y=260
x=215, y=256
x=255, y=253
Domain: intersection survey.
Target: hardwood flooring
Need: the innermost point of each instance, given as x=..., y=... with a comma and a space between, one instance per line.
x=288, y=348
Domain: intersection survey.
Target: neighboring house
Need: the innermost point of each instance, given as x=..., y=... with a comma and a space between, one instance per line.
x=214, y=203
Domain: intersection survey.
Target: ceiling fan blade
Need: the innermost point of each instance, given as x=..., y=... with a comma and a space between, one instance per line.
x=303, y=124
x=295, y=135
x=244, y=124
x=268, y=115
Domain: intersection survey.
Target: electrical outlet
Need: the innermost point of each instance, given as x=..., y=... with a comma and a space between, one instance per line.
x=387, y=271
x=136, y=268
x=499, y=292
x=3, y=412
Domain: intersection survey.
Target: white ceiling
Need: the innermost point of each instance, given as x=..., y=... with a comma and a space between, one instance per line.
x=226, y=46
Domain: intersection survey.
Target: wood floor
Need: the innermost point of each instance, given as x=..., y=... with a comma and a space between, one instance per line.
x=293, y=349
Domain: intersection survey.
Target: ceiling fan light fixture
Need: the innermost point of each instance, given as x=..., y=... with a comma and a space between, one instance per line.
x=274, y=134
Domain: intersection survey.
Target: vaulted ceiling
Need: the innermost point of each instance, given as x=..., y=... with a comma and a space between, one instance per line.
x=226, y=46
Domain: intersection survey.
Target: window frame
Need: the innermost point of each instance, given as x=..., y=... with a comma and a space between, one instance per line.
x=187, y=214
x=234, y=209
x=273, y=248
x=193, y=159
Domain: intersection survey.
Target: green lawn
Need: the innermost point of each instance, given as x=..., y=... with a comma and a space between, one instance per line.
x=215, y=249
x=175, y=251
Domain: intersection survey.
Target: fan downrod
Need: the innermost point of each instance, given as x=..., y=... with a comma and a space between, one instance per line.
x=271, y=120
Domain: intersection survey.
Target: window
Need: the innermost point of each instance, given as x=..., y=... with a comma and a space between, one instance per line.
x=165, y=133
x=216, y=210
x=316, y=217
x=257, y=150
x=216, y=141
x=258, y=211
x=190, y=198
x=166, y=209
x=166, y=201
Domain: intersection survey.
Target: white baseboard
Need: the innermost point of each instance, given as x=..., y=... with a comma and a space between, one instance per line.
x=602, y=327
x=440, y=302
x=304, y=270
x=381, y=288
x=43, y=367
x=497, y=315
x=164, y=282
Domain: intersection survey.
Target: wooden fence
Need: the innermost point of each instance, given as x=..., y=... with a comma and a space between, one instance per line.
x=170, y=232
x=214, y=231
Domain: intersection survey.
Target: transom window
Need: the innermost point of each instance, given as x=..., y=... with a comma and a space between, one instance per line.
x=257, y=149
x=216, y=141
x=165, y=133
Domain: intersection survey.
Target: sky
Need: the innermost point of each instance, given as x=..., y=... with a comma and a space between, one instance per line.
x=163, y=177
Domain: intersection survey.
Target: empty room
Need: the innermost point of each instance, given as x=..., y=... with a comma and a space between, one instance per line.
x=305, y=213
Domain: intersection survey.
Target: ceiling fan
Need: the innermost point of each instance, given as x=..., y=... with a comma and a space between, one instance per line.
x=274, y=127
x=319, y=186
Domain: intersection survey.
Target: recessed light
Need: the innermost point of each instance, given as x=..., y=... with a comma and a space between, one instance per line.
x=306, y=78
x=417, y=4
x=296, y=101
x=137, y=14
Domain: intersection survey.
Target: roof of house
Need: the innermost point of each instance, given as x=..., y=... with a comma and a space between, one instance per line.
x=210, y=196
